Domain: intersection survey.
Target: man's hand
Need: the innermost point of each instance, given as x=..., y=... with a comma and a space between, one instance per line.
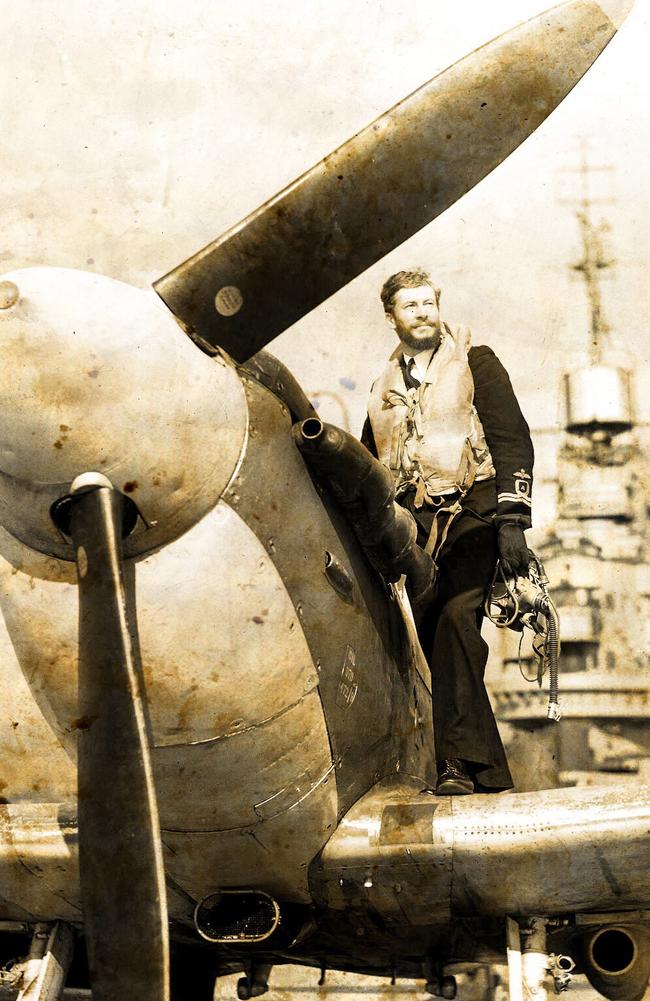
x=513, y=550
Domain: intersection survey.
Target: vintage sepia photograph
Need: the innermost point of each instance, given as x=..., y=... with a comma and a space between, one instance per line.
x=324, y=508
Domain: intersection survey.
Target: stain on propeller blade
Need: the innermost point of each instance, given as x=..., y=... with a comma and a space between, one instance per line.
x=386, y=183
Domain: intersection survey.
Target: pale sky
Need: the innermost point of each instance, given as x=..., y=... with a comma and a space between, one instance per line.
x=136, y=132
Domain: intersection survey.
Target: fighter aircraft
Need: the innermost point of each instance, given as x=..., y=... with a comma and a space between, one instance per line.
x=198, y=587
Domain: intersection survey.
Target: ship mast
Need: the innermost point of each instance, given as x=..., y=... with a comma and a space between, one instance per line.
x=592, y=263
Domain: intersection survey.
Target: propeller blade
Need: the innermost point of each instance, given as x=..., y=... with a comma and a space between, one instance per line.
x=386, y=183
x=120, y=853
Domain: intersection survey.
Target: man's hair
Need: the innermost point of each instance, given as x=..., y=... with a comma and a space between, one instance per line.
x=405, y=279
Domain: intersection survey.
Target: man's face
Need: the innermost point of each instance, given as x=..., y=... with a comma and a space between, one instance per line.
x=415, y=318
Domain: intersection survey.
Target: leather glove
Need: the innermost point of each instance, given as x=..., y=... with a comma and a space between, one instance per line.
x=513, y=551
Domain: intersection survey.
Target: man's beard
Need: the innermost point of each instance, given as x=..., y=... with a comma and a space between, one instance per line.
x=421, y=343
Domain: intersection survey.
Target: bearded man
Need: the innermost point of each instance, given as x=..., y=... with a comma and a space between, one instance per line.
x=444, y=418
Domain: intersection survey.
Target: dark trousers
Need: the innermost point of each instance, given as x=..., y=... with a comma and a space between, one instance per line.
x=450, y=635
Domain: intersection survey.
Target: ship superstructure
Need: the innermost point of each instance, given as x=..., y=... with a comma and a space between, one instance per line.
x=596, y=558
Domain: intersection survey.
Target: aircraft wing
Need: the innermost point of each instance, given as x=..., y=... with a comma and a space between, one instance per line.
x=575, y=858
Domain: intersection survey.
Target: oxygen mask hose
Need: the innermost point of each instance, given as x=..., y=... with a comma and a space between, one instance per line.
x=552, y=643
x=553, y=711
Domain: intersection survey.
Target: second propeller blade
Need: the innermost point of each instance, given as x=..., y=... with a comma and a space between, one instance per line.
x=386, y=183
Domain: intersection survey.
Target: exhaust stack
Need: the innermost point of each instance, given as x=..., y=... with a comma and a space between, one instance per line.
x=365, y=489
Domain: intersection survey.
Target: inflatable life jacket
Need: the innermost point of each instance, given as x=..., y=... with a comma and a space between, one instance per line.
x=431, y=436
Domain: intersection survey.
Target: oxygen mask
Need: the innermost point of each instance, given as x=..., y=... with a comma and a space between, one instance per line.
x=521, y=603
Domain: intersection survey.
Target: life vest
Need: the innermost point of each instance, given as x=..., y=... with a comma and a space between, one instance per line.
x=431, y=437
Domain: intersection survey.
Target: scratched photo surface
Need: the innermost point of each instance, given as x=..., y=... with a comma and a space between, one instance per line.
x=135, y=134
